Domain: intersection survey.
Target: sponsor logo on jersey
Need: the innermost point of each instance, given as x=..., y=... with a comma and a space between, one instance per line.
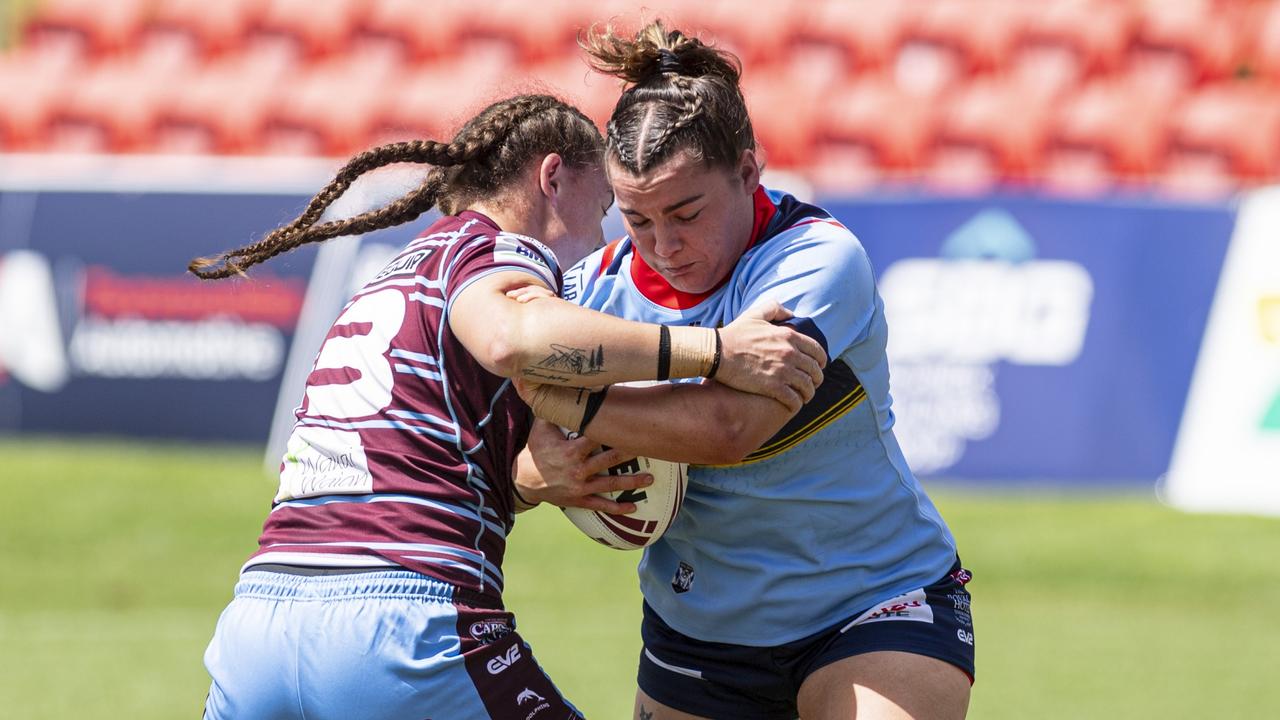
x=528, y=696
x=407, y=264
x=683, y=580
x=504, y=660
x=488, y=631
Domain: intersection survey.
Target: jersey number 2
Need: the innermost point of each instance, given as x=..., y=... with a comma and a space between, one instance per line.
x=362, y=335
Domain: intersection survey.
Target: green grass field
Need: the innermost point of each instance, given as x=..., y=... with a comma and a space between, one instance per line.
x=117, y=559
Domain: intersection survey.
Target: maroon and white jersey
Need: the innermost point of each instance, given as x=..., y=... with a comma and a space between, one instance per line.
x=403, y=447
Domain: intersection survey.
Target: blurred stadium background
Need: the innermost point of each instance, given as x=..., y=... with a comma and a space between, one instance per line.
x=1069, y=203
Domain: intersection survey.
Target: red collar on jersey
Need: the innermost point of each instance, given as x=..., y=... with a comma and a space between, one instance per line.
x=656, y=288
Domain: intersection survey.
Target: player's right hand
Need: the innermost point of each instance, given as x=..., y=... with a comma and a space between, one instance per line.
x=762, y=357
x=570, y=472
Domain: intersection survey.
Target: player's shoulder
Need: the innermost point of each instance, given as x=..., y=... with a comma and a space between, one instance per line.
x=799, y=226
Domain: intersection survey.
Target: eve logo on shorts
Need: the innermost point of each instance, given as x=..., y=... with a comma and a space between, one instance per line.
x=683, y=580
x=504, y=661
x=964, y=636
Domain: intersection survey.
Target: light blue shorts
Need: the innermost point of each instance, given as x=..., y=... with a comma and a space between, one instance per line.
x=385, y=644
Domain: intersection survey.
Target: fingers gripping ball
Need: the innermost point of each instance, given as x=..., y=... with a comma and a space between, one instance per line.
x=656, y=506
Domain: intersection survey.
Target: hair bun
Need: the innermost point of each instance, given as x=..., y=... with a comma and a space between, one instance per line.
x=655, y=52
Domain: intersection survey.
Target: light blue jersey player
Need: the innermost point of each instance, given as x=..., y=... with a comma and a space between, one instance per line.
x=808, y=572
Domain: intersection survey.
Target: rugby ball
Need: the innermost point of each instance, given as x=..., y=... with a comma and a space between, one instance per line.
x=656, y=506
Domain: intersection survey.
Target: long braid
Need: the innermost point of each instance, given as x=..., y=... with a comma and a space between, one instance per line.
x=480, y=139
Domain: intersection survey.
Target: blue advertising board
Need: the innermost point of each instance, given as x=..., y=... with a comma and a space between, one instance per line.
x=1030, y=338
x=1041, y=339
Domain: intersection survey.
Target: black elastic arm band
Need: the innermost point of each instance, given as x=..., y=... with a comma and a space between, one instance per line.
x=664, y=352
x=715, y=362
x=594, y=401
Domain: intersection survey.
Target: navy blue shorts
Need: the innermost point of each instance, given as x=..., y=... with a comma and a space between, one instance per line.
x=717, y=680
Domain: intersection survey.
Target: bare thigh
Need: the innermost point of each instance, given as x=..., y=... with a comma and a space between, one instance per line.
x=883, y=686
x=649, y=709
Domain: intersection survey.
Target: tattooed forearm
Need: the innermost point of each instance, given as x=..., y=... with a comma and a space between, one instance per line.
x=539, y=375
x=573, y=360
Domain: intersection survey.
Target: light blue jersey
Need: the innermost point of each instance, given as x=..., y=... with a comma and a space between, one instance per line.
x=825, y=519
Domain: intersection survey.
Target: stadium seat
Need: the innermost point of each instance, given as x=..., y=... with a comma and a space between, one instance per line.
x=1180, y=44
x=424, y=33
x=1265, y=50
x=113, y=106
x=757, y=37
x=99, y=27
x=533, y=36
x=950, y=39
x=41, y=81
x=866, y=33
x=573, y=80
x=430, y=101
x=221, y=109
x=784, y=111
x=329, y=108
x=315, y=29
x=989, y=131
x=1110, y=132
x=208, y=28
x=1232, y=128
x=1066, y=41
x=871, y=126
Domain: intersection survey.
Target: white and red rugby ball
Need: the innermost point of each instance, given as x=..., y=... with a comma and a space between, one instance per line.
x=656, y=506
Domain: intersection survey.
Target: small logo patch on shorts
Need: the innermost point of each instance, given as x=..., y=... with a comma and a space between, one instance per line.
x=911, y=606
x=487, y=631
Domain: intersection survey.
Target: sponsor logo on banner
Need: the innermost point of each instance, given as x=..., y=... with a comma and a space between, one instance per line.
x=1269, y=319
x=32, y=351
x=139, y=327
x=955, y=318
x=1227, y=456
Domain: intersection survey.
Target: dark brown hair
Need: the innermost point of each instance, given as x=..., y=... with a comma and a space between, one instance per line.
x=683, y=95
x=490, y=151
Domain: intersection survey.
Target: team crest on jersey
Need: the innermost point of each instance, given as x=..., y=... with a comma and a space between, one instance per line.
x=683, y=580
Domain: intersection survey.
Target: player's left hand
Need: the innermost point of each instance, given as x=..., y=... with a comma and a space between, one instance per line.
x=569, y=472
x=530, y=292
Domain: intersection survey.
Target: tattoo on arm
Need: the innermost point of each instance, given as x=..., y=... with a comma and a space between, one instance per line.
x=645, y=714
x=544, y=376
x=576, y=361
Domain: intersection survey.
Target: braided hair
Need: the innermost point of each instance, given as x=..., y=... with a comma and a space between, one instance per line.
x=490, y=151
x=683, y=95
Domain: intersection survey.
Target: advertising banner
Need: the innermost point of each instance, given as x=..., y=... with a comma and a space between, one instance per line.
x=1228, y=454
x=1035, y=339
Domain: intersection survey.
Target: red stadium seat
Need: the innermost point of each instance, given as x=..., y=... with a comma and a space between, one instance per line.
x=784, y=114
x=989, y=131
x=432, y=101
x=549, y=32
x=1231, y=129
x=758, y=36
x=1110, y=132
x=573, y=80
x=209, y=28
x=867, y=33
x=870, y=127
x=1180, y=44
x=329, y=108
x=100, y=27
x=37, y=83
x=424, y=32
x=1266, y=43
x=113, y=106
x=315, y=29
x=221, y=109
x=950, y=39
x=1065, y=41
